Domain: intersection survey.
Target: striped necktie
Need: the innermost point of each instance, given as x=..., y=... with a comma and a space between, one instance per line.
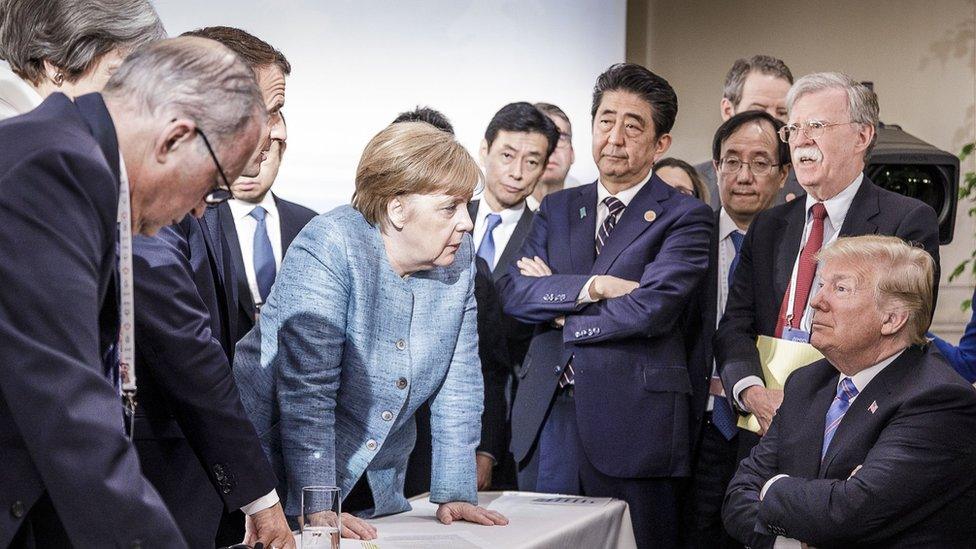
x=846, y=391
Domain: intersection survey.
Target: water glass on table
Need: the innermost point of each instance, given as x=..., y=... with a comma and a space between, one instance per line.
x=320, y=520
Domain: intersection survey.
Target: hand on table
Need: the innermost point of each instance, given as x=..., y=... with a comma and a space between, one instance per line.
x=462, y=510
x=609, y=287
x=269, y=527
x=484, y=464
x=533, y=267
x=353, y=527
x=763, y=403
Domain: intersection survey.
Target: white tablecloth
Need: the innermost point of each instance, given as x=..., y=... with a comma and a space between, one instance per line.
x=536, y=521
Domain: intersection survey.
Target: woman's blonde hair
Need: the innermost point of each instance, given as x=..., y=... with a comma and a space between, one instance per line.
x=411, y=158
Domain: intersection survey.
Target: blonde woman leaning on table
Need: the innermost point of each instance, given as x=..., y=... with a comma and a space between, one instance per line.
x=372, y=314
x=67, y=46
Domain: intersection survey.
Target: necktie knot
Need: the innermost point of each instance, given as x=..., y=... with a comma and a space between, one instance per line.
x=737, y=239
x=846, y=391
x=613, y=204
x=819, y=211
x=258, y=213
x=493, y=220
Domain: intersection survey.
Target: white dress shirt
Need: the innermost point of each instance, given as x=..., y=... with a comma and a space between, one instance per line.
x=502, y=233
x=726, y=253
x=837, y=208
x=602, y=212
x=860, y=381
x=16, y=96
x=246, y=225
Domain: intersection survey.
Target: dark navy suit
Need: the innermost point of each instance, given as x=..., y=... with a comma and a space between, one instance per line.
x=68, y=473
x=632, y=387
x=195, y=441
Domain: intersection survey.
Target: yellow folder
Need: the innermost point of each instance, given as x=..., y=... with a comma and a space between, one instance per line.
x=779, y=359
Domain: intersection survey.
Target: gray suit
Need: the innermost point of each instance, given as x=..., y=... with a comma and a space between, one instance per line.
x=707, y=171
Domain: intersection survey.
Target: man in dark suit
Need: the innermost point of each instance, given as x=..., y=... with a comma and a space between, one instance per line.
x=69, y=475
x=606, y=273
x=757, y=83
x=831, y=131
x=752, y=163
x=195, y=441
x=259, y=226
x=873, y=445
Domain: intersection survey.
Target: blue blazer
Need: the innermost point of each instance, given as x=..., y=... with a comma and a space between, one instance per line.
x=61, y=429
x=632, y=383
x=961, y=357
x=344, y=353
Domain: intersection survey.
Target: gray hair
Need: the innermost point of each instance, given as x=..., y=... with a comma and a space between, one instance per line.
x=862, y=103
x=193, y=78
x=735, y=80
x=72, y=34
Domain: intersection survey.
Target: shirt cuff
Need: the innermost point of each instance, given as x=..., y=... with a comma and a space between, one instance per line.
x=762, y=493
x=261, y=503
x=487, y=454
x=584, y=296
x=742, y=385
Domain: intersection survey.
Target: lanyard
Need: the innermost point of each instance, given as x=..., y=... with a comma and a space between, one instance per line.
x=126, y=345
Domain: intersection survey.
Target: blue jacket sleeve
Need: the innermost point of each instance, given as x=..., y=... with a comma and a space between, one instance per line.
x=962, y=358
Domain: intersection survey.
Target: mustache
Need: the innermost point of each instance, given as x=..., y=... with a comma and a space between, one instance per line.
x=808, y=152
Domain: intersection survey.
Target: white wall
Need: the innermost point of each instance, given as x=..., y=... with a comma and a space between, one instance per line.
x=357, y=64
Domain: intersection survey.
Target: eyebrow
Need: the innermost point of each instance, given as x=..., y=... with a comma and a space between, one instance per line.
x=626, y=114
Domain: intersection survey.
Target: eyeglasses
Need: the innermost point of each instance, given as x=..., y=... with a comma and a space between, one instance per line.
x=219, y=194
x=759, y=167
x=565, y=139
x=813, y=129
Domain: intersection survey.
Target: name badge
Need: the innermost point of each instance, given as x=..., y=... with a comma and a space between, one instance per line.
x=792, y=334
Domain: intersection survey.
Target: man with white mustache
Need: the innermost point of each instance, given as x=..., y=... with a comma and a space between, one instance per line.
x=831, y=131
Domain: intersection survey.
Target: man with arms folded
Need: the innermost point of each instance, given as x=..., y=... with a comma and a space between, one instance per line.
x=873, y=445
x=607, y=270
x=831, y=131
x=757, y=83
x=70, y=475
x=752, y=163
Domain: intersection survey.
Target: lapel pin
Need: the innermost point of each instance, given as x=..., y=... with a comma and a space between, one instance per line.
x=582, y=212
x=650, y=216
x=873, y=407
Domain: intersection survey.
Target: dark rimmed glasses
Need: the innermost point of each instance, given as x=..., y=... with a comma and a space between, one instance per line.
x=218, y=195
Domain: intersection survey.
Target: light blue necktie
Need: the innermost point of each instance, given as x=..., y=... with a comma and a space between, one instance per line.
x=486, y=250
x=722, y=416
x=264, y=261
x=846, y=392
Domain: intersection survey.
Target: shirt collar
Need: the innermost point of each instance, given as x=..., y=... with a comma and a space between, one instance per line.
x=508, y=215
x=623, y=196
x=838, y=205
x=862, y=378
x=241, y=209
x=725, y=225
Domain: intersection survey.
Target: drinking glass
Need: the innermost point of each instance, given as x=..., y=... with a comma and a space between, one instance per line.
x=321, y=512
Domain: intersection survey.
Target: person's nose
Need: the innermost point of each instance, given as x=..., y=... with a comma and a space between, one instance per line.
x=819, y=301
x=465, y=225
x=616, y=136
x=278, y=129
x=516, y=171
x=745, y=175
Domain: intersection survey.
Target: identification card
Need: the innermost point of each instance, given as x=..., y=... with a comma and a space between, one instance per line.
x=793, y=334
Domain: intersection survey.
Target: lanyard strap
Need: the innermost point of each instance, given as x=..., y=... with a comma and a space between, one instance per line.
x=126, y=345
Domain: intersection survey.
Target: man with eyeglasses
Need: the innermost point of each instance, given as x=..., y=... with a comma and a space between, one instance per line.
x=830, y=133
x=752, y=165
x=195, y=442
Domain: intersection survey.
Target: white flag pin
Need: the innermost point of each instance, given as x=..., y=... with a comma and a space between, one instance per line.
x=873, y=407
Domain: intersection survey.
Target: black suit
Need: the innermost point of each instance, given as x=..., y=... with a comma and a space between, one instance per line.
x=68, y=474
x=293, y=218
x=195, y=441
x=912, y=432
x=766, y=263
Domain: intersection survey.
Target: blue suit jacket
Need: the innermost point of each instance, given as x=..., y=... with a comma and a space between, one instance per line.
x=962, y=357
x=344, y=353
x=60, y=415
x=632, y=382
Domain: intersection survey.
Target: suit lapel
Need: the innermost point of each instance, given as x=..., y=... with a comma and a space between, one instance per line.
x=863, y=209
x=632, y=222
x=582, y=228
x=514, y=244
x=811, y=439
x=788, y=248
x=93, y=111
x=288, y=228
x=234, y=245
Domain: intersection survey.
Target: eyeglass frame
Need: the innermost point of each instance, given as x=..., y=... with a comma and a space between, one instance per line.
x=785, y=132
x=218, y=195
x=752, y=170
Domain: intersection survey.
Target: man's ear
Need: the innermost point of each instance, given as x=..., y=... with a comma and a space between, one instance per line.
x=483, y=152
x=396, y=212
x=865, y=135
x=662, y=146
x=893, y=321
x=726, y=109
x=176, y=134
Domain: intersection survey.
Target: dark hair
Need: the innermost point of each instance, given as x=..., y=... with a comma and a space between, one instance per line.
x=553, y=110
x=426, y=114
x=701, y=191
x=733, y=124
x=735, y=80
x=523, y=117
x=639, y=81
x=255, y=52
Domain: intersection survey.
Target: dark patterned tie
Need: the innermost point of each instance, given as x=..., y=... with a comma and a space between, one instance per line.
x=722, y=416
x=616, y=207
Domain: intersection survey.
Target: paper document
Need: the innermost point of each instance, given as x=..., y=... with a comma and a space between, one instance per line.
x=779, y=358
